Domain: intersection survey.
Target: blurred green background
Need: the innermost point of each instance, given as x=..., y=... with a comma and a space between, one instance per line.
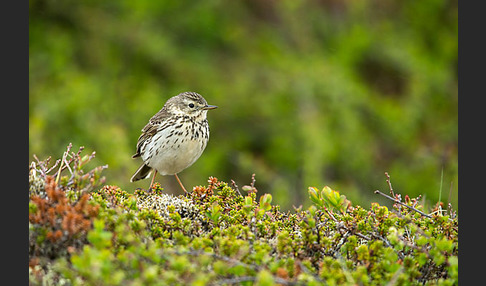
x=310, y=93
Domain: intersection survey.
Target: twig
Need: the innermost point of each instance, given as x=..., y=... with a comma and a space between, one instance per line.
x=450, y=193
x=234, y=280
x=43, y=165
x=388, y=244
x=251, y=188
x=452, y=213
x=330, y=214
x=64, y=155
x=438, y=211
x=69, y=168
x=405, y=205
x=341, y=243
x=60, y=168
x=235, y=186
x=389, y=184
x=307, y=271
x=417, y=200
x=54, y=166
x=341, y=225
x=392, y=193
x=362, y=235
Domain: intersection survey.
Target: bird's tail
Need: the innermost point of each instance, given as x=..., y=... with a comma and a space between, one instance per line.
x=142, y=173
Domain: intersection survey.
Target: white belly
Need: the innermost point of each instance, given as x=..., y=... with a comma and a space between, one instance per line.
x=174, y=154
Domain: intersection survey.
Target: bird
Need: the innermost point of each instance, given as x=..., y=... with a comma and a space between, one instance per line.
x=174, y=138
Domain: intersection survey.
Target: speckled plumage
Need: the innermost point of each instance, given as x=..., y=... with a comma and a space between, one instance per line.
x=175, y=137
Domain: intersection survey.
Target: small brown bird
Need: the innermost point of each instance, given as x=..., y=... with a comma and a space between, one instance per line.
x=174, y=138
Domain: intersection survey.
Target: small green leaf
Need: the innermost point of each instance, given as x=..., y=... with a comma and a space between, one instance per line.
x=265, y=202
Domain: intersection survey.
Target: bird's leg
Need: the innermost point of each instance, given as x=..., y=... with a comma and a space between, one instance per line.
x=180, y=183
x=153, y=179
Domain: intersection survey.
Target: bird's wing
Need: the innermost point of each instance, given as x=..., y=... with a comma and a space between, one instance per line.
x=152, y=127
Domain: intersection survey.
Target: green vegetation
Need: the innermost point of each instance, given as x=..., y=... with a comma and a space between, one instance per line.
x=82, y=234
x=310, y=93
x=317, y=98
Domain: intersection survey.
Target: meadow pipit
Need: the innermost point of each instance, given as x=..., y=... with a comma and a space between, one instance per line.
x=174, y=138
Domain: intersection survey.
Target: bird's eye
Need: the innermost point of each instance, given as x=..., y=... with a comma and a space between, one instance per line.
x=191, y=105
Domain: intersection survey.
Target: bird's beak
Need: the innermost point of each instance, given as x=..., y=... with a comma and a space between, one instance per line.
x=208, y=107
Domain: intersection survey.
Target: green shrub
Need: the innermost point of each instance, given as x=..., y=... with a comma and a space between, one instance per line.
x=217, y=235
